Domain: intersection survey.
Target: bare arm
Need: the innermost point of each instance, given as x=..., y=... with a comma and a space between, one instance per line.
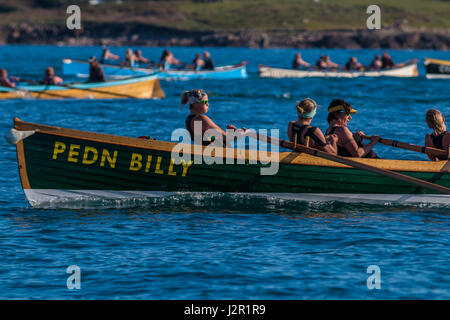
x=208, y=124
x=350, y=144
x=330, y=142
x=58, y=80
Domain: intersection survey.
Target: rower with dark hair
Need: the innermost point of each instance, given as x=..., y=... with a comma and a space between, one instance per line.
x=209, y=63
x=321, y=64
x=354, y=65
x=299, y=63
x=140, y=58
x=386, y=61
x=50, y=77
x=348, y=144
x=107, y=55
x=168, y=61
x=7, y=82
x=96, y=73
x=376, y=63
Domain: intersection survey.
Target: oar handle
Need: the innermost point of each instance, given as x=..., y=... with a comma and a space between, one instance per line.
x=413, y=147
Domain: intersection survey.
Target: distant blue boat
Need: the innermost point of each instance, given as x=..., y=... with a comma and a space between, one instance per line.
x=80, y=68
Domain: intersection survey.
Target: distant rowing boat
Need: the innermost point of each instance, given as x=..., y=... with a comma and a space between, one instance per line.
x=138, y=87
x=437, y=69
x=80, y=68
x=406, y=70
x=58, y=164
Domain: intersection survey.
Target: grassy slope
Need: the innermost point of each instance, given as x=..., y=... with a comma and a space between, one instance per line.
x=234, y=15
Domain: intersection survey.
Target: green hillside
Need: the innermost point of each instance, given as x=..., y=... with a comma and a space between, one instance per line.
x=235, y=15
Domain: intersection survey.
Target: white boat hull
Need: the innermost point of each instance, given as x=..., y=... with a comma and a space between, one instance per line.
x=406, y=71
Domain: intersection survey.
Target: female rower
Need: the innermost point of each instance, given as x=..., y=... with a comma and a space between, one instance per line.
x=198, y=62
x=299, y=63
x=130, y=58
x=301, y=132
x=354, y=65
x=376, y=63
x=140, y=58
x=440, y=138
x=168, y=61
x=107, y=55
x=348, y=144
x=7, y=82
x=50, y=78
x=199, y=106
x=209, y=63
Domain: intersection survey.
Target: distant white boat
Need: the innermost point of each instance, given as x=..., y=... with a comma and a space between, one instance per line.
x=405, y=70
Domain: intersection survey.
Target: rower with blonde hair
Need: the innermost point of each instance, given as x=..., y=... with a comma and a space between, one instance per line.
x=440, y=138
x=302, y=132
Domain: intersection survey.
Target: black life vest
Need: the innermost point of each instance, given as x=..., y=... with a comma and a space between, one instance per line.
x=437, y=140
x=188, y=124
x=298, y=130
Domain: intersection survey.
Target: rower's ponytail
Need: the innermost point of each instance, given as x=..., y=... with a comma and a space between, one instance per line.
x=306, y=106
x=185, y=97
x=435, y=121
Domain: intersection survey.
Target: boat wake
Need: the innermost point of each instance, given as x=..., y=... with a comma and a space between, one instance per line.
x=223, y=202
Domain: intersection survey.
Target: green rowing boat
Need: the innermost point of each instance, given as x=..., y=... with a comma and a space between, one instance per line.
x=57, y=165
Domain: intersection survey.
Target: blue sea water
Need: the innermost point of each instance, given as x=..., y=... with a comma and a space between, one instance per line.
x=224, y=247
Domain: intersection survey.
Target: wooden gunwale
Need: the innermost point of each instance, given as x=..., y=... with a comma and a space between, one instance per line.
x=291, y=158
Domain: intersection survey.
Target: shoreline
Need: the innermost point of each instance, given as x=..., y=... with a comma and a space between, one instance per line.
x=136, y=34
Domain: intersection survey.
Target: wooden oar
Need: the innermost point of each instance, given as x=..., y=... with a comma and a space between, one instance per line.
x=412, y=147
x=349, y=162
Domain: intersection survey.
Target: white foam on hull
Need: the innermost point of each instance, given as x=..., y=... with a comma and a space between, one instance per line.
x=57, y=198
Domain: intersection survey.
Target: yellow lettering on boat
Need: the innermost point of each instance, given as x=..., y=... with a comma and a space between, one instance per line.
x=107, y=156
x=60, y=147
x=88, y=150
x=171, y=172
x=185, y=167
x=136, y=162
x=73, y=153
x=149, y=162
x=158, y=164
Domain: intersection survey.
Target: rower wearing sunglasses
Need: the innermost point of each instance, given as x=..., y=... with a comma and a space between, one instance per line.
x=348, y=144
x=199, y=106
x=302, y=132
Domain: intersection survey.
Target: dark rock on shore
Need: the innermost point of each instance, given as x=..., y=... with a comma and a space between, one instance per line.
x=129, y=34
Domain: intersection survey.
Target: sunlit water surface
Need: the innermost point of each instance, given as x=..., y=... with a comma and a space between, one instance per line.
x=220, y=246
